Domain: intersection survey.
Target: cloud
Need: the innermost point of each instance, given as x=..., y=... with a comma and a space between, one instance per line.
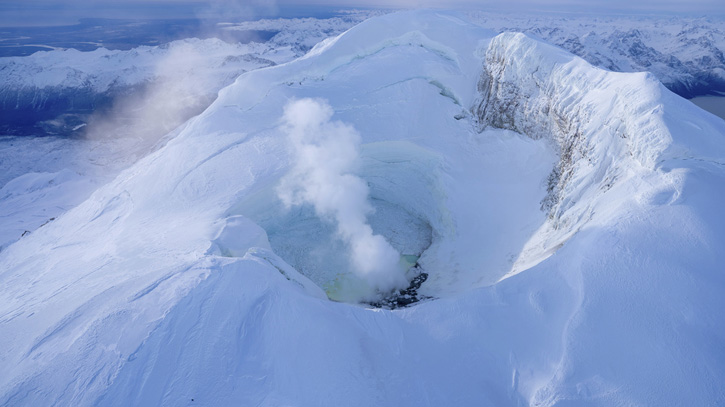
x=325, y=154
x=49, y=12
x=237, y=10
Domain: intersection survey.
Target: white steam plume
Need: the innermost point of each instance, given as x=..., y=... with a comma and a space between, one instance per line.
x=325, y=153
x=181, y=86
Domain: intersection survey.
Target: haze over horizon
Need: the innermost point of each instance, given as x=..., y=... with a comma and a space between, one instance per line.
x=61, y=12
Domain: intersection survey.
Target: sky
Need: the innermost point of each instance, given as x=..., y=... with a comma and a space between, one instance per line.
x=55, y=12
x=681, y=5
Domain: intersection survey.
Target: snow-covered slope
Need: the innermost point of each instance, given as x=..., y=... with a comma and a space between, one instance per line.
x=686, y=54
x=567, y=218
x=43, y=177
x=118, y=104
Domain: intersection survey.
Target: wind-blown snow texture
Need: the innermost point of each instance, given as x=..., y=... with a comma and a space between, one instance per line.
x=568, y=218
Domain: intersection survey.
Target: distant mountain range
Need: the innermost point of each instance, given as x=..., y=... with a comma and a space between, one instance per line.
x=54, y=92
x=685, y=54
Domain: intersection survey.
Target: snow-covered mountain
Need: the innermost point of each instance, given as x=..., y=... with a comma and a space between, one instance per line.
x=567, y=220
x=302, y=34
x=686, y=54
x=54, y=92
x=57, y=89
x=118, y=105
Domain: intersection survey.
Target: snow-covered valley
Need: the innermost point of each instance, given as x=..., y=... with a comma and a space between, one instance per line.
x=567, y=218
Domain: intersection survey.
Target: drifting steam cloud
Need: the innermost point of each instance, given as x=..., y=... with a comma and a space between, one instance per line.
x=181, y=87
x=325, y=153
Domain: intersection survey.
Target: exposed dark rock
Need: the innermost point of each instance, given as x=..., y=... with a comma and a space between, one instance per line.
x=406, y=297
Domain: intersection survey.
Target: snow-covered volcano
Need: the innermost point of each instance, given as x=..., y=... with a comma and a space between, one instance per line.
x=568, y=220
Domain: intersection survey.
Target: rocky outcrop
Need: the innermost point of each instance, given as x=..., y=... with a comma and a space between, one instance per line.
x=544, y=92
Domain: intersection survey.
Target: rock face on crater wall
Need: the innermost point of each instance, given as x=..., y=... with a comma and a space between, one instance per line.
x=601, y=123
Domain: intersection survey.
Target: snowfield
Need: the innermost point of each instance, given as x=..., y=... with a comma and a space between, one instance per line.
x=568, y=219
